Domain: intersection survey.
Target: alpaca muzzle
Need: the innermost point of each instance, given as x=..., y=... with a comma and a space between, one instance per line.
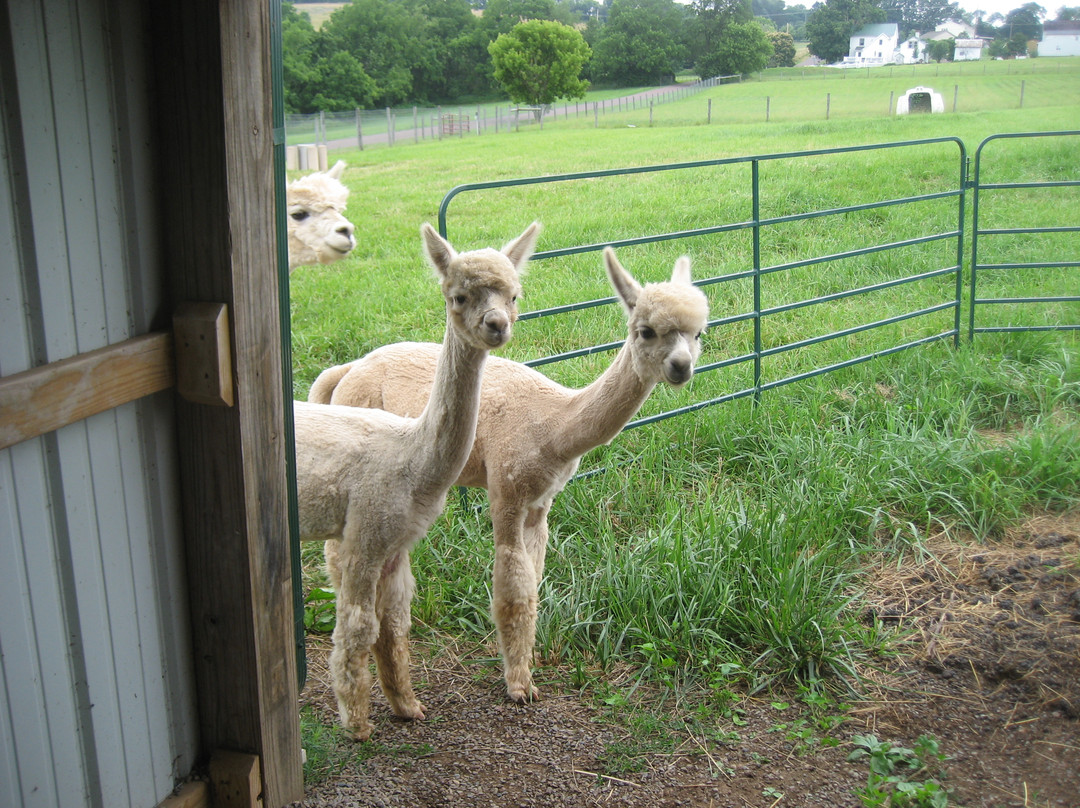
x=496, y=328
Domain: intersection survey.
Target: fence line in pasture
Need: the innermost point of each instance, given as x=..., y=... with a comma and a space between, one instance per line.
x=362, y=129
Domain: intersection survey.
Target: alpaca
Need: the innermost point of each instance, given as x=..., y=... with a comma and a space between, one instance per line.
x=532, y=432
x=370, y=484
x=319, y=233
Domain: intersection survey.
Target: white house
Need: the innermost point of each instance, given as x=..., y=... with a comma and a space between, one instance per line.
x=873, y=45
x=968, y=50
x=958, y=30
x=1061, y=42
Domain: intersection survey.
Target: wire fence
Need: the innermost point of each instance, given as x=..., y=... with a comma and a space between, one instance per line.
x=362, y=128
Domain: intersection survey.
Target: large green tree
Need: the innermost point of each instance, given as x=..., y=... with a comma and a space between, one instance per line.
x=783, y=46
x=830, y=26
x=919, y=16
x=1026, y=21
x=743, y=48
x=314, y=82
x=711, y=18
x=386, y=38
x=540, y=61
x=642, y=43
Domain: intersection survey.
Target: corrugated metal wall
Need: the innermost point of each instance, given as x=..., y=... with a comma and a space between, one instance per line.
x=96, y=695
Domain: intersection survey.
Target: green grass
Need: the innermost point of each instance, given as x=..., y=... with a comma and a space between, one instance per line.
x=729, y=544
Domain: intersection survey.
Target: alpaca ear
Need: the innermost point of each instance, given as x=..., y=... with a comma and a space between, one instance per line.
x=681, y=273
x=437, y=249
x=625, y=286
x=519, y=250
x=336, y=170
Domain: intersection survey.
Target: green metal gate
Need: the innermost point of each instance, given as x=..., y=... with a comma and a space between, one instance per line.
x=1013, y=248
x=943, y=296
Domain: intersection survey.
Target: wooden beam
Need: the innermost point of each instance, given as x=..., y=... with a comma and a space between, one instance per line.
x=213, y=79
x=49, y=397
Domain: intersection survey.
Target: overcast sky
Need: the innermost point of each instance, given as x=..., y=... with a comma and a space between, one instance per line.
x=1003, y=7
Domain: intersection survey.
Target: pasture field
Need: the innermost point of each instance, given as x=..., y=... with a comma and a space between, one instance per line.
x=730, y=548
x=739, y=549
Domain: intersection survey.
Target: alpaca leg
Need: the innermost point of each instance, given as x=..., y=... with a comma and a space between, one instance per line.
x=536, y=538
x=392, y=605
x=355, y=632
x=331, y=548
x=514, y=608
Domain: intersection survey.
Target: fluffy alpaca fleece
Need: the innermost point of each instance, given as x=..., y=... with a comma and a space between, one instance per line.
x=371, y=483
x=532, y=432
x=319, y=233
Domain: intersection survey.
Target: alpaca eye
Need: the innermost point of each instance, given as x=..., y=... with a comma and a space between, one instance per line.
x=459, y=300
x=647, y=333
x=299, y=215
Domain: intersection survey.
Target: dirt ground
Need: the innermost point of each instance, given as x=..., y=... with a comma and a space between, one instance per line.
x=991, y=671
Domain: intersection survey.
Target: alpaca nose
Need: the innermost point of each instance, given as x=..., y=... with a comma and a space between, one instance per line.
x=497, y=324
x=679, y=370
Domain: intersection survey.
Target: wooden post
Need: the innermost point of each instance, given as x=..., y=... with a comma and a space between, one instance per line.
x=217, y=194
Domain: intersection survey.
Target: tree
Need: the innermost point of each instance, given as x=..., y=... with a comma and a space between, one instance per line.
x=712, y=18
x=540, y=61
x=919, y=16
x=743, y=49
x=384, y=37
x=642, y=43
x=829, y=27
x=783, y=46
x=1025, y=21
x=941, y=50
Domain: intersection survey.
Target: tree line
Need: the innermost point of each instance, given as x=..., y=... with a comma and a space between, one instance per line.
x=371, y=54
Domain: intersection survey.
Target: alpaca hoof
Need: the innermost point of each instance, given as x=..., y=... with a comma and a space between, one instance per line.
x=359, y=733
x=523, y=694
x=412, y=712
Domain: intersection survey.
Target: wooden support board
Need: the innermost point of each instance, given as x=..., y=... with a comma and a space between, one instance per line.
x=46, y=398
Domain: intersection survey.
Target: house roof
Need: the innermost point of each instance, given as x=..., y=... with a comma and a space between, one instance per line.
x=969, y=43
x=1075, y=31
x=878, y=29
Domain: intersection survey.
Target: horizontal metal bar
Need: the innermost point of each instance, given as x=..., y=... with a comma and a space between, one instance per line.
x=1017, y=328
x=860, y=252
x=876, y=287
x=805, y=343
x=1046, y=265
x=1002, y=186
x=1014, y=231
x=1057, y=299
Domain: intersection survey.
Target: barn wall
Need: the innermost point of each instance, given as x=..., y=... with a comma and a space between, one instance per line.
x=97, y=703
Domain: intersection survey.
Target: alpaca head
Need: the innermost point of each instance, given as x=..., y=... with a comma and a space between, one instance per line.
x=666, y=321
x=481, y=287
x=319, y=233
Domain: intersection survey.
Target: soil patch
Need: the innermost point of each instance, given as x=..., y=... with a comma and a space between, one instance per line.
x=991, y=670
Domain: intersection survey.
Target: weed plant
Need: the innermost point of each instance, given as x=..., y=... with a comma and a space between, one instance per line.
x=726, y=546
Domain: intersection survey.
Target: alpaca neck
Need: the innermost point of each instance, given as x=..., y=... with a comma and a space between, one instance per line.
x=447, y=426
x=600, y=411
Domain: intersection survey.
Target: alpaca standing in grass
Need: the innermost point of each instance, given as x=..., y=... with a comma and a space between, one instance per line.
x=532, y=432
x=371, y=483
x=319, y=233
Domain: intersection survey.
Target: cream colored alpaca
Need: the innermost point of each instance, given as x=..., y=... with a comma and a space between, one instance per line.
x=319, y=233
x=532, y=432
x=371, y=483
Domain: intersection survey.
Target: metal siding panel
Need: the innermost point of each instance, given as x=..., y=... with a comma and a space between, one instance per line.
x=38, y=680
x=93, y=601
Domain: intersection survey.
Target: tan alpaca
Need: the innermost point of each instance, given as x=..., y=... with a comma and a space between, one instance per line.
x=371, y=483
x=319, y=233
x=532, y=432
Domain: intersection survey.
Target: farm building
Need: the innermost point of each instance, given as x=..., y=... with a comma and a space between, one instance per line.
x=1060, y=41
x=873, y=45
x=147, y=623
x=968, y=50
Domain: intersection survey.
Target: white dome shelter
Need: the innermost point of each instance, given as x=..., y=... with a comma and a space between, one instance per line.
x=920, y=99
